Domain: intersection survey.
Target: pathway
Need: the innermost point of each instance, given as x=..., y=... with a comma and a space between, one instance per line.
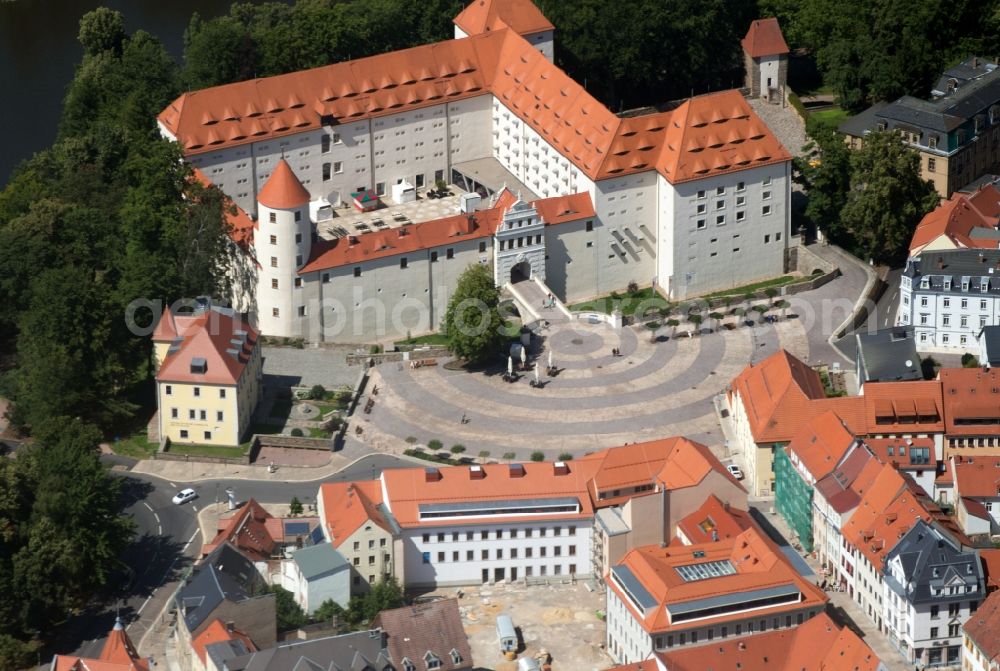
x=784, y=122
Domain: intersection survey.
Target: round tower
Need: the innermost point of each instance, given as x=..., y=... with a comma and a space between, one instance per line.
x=282, y=243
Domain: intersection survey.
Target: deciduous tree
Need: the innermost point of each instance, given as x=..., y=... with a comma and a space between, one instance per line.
x=472, y=321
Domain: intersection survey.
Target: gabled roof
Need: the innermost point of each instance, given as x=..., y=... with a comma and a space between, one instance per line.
x=435, y=627
x=983, y=627
x=283, y=190
x=818, y=644
x=252, y=530
x=899, y=451
x=821, y=443
x=118, y=654
x=226, y=574
x=217, y=632
x=764, y=38
x=349, y=505
x=964, y=220
x=216, y=336
x=845, y=486
x=318, y=560
x=903, y=407
x=346, y=652
x=713, y=521
x=523, y=16
x=971, y=400
x=977, y=477
x=753, y=566
x=930, y=560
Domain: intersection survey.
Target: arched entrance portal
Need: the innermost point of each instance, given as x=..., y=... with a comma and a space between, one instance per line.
x=520, y=272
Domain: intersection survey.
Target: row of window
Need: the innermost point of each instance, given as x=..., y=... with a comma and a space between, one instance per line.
x=371, y=560
x=946, y=302
x=498, y=553
x=751, y=626
x=521, y=241
x=207, y=435
x=197, y=415
x=169, y=391
x=720, y=219
x=498, y=534
x=741, y=200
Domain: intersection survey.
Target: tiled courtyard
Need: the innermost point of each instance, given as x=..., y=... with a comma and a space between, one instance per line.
x=652, y=390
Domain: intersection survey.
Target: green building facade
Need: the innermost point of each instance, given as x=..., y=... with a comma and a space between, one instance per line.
x=793, y=498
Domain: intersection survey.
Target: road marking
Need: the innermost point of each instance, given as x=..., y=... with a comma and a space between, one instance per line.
x=139, y=612
x=197, y=531
x=172, y=484
x=159, y=530
x=149, y=507
x=195, y=507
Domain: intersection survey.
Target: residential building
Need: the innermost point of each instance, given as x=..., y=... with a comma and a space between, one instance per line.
x=356, y=650
x=976, y=483
x=931, y=586
x=426, y=636
x=660, y=598
x=691, y=200
x=981, y=637
x=949, y=296
x=970, y=400
x=964, y=221
x=889, y=355
x=989, y=346
x=118, y=654
x=817, y=645
x=224, y=586
x=361, y=528
x=765, y=60
x=316, y=574
x=715, y=520
x=915, y=455
x=218, y=643
x=813, y=453
x=464, y=525
x=256, y=533
x=209, y=372
x=956, y=134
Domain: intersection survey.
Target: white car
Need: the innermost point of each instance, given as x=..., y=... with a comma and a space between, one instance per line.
x=734, y=471
x=184, y=496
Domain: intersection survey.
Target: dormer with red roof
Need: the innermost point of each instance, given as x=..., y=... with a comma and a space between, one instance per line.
x=521, y=16
x=765, y=55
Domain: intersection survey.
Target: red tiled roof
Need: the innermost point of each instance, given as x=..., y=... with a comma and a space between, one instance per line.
x=758, y=564
x=983, y=626
x=523, y=16
x=118, y=654
x=764, y=38
x=283, y=190
x=900, y=451
x=707, y=135
x=908, y=407
x=715, y=520
x=978, y=477
x=847, y=484
x=816, y=645
x=821, y=443
x=217, y=632
x=990, y=557
x=971, y=394
x=348, y=505
x=207, y=335
x=241, y=226
x=957, y=217
x=252, y=530
x=561, y=209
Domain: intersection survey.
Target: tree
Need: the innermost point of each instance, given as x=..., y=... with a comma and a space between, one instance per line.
x=219, y=51
x=716, y=317
x=327, y=610
x=887, y=198
x=289, y=613
x=827, y=181
x=673, y=324
x=434, y=444
x=317, y=392
x=472, y=321
x=102, y=30
x=538, y=455
x=509, y=456
x=771, y=293
x=384, y=595
x=696, y=320
x=565, y=456
x=295, y=507
x=457, y=449
x=484, y=455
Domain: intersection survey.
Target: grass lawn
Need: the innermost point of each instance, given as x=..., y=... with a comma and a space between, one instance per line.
x=627, y=303
x=436, y=339
x=136, y=446
x=318, y=433
x=208, y=450
x=829, y=118
x=756, y=286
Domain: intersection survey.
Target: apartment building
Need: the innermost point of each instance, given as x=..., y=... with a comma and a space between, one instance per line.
x=981, y=637
x=956, y=132
x=691, y=200
x=976, y=483
x=666, y=597
x=970, y=400
x=208, y=375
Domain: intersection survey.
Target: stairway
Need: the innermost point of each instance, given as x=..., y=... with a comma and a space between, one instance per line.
x=532, y=300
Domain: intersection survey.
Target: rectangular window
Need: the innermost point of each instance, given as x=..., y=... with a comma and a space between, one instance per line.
x=741, y=186
x=701, y=208
x=470, y=555
x=338, y=167
x=302, y=310
x=184, y=433
x=720, y=220
x=741, y=215
x=701, y=194
x=275, y=312
x=402, y=262
x=720, y=190
x=590, y=226
x=274, y=261
x=274, y=239
x=425, y=557
x=298, y=282
x=440, y=557
x=326, y=171
x=449, y=253
x=931, y=165
x=700, y=224
x=197, y=391
x=218, y=415
x=720, y=204
x=173, y=413
x=222, y=393
x=202, y=415
x=324, y=143
x=434, y=257
x=766, y=210
x=208, y=435
x=482, y=247
x=169, y=390
x=273, y=218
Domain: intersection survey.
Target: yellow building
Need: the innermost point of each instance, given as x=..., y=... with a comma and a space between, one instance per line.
x=208, y=375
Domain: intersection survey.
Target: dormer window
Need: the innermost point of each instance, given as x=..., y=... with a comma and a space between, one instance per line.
x=932, y=142
x=456, y=656
x=880, y=126
x=432, y=660
x=408, y=665
x=925, y=283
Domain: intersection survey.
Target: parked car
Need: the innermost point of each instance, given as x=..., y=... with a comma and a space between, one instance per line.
x=735, y=471
x=184, y=496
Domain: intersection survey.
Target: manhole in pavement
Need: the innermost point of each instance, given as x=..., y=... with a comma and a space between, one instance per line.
x=577, y=341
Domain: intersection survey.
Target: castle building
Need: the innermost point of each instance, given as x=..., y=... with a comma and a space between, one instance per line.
x=690, y=200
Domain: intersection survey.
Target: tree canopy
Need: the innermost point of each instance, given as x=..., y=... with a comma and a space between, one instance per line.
x=472, y=322
x=887, y=198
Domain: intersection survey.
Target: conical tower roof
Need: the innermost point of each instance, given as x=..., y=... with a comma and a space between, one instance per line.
x=119, y=649
x=283, y=190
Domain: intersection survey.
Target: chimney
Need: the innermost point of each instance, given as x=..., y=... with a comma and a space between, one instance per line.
x=476, y=473
x=725, y=506
x=516, y=470
x=560, y=468
x=431, y=474
x=402, y=231
x=352, y=240
x=230, y=626
x=470, y=223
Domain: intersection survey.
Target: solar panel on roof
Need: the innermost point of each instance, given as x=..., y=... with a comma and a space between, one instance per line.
x=317, y=535
x=705, y=570
x=296, y=528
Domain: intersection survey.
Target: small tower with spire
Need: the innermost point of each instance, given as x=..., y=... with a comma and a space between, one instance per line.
x=282, y=244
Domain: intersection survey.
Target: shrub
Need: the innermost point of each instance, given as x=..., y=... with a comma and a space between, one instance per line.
x=457, y=449
x=434, y=444
x=970, y=361
x=509, y=456
x=653, y=325
x=295, y=507
x=565, y=456
x=538, y=455
x=317, y=392
x=411, y=439
x=633, y=287
x=297, y=432
x=375, y=349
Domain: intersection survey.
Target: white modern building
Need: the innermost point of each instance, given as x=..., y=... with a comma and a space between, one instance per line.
x=315, y=574
x=691, y=200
